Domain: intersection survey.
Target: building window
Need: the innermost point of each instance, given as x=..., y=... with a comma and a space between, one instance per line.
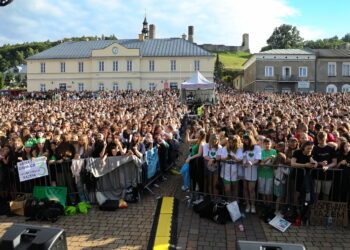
x=128, y=66
x=173, y=85
x=101, y=66
x=43, y=87
x=302, y=71
x=331, y=88
x=286, y=90
x=286, y=71
x=115, y=87
x=81, y=67
x=63, y=67
x=101, y=87
x=332, y=69
x=62, y=86
x=345, y=88
x=196, y=65
x=269, y=89
x=173, y=65
x=115, y=66
x=152, y=86
x=81, y=86
x=129, y=86
x=42, y=67
x=346, y=69
x=151, y=66
x=269, y=71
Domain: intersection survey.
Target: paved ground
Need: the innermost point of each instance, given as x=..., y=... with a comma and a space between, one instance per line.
x=127, y=228
x=130, y=228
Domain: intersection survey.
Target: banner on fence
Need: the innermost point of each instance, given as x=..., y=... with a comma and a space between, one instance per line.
x=52, y=193
x=32, y=169
x=323, y=209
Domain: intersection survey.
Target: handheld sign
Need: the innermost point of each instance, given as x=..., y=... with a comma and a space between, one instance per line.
x=32, y=169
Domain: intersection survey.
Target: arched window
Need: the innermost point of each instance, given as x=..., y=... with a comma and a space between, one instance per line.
x=269, y=89
x=345, y=88
x=331, y=88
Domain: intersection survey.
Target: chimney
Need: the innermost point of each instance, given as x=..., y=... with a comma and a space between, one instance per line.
x=190, y=33
x=152, y=31
x=141, y=37
x=184, y=36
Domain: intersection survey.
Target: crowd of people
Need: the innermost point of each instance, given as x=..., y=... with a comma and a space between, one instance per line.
x=62, y=126
x=282, y=148
x=241, y=145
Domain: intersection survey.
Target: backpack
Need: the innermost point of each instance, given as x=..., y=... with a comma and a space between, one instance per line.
x=47, y=210
x=220, y=213
x=132, y=194
x=291, y=214
x=205, y=208
x=30, y=207
x=267, y=214
x=109, y=205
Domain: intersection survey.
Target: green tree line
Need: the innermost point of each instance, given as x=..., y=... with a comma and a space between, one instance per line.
x=288, y=37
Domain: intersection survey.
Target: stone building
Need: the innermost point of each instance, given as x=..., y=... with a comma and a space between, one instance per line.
x=143, y=63
x=280, y=70
x=302, y=70
x=333, y=70
x=224, y=48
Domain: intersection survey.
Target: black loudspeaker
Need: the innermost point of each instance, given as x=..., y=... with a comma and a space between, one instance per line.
x=256, y=245
x=28, y=237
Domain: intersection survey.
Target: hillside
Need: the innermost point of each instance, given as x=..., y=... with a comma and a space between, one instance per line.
x=233, y=60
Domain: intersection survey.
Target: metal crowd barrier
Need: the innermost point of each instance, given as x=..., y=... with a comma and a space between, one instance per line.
x=60, y=174
x=295, y=187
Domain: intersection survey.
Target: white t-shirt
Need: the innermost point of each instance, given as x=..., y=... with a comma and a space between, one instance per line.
x=224, y=154
x=231, y=171
x=253, y=155
x=212, y=152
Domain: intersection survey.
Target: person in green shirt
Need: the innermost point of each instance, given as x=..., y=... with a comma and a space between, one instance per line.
x=265, y=172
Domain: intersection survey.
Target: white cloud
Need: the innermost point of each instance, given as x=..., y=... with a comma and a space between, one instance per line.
x=219, y=22
x=310, y=33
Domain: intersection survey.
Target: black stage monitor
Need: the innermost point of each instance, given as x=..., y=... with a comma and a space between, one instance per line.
x=28, y=237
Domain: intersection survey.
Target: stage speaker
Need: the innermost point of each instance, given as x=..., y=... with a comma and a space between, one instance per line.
x=257, y=245
x=23, y=237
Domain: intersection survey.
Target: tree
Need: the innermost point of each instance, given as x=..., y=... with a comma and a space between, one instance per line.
x=285, y=37
x=18, y=78
x=9, y=78
x=218, y=69
x=2, y=81
x=4, y=64
x=346, y=38
x=30, y=52
x=19, y=57
x=326, y=43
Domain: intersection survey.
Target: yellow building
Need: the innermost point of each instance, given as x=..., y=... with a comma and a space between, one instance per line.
x=144, y=63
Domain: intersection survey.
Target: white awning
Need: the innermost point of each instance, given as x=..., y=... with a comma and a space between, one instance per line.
x=197, y=81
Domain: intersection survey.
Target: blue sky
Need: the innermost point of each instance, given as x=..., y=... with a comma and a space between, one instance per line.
x=219, y=22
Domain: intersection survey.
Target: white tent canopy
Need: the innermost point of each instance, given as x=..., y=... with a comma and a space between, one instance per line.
x=197, y=81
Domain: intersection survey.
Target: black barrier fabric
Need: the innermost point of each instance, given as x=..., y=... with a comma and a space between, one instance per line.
x=81, y=189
